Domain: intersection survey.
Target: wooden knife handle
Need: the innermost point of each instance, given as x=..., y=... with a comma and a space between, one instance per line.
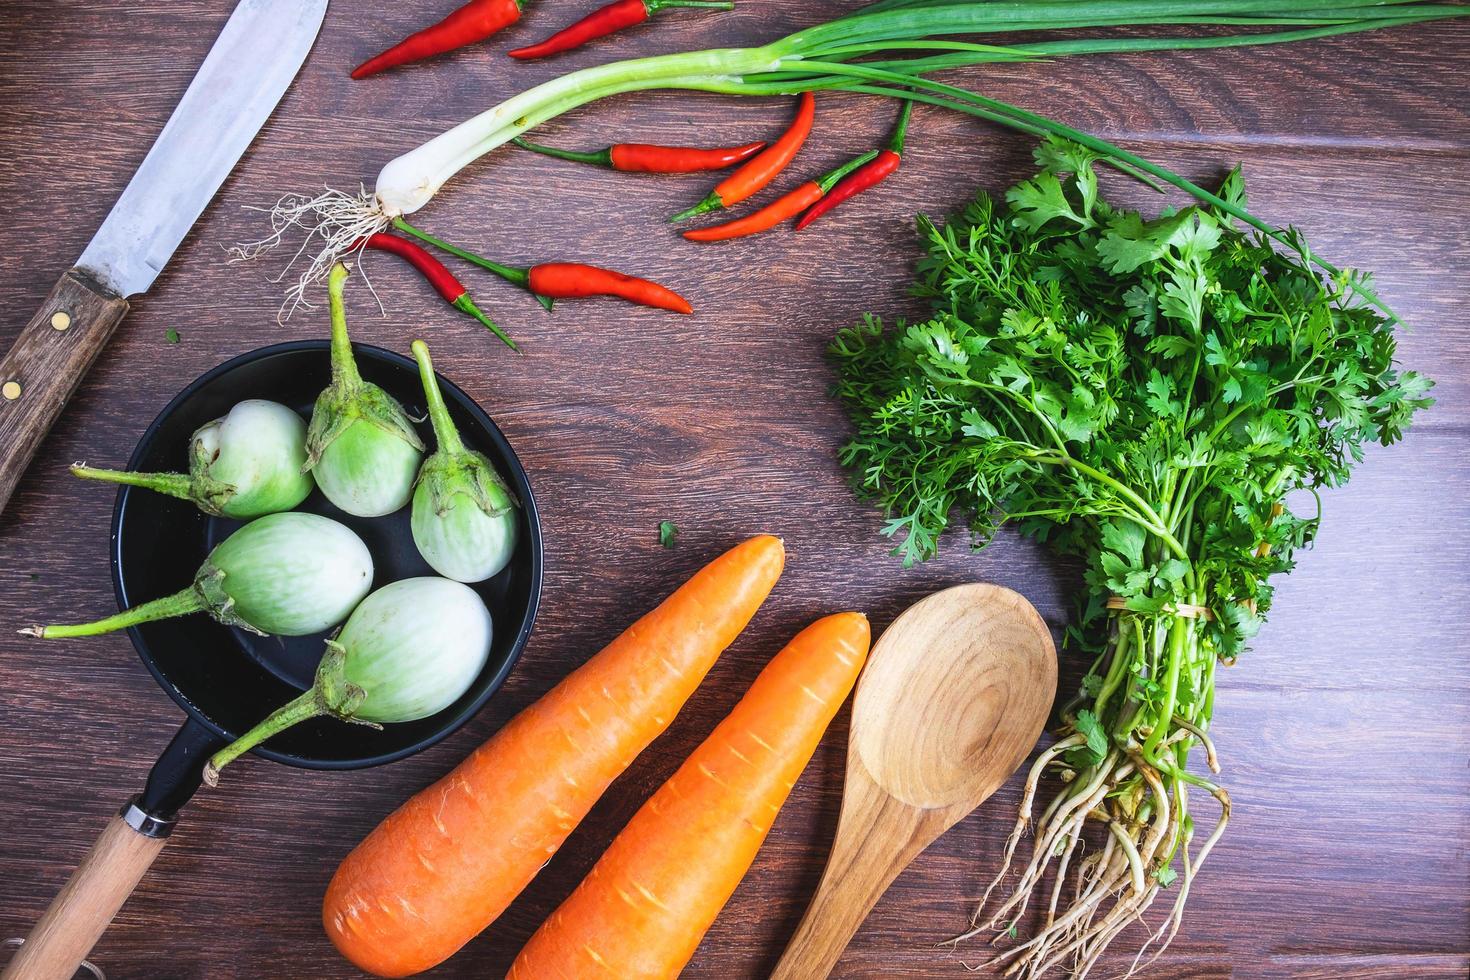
x=47, y=363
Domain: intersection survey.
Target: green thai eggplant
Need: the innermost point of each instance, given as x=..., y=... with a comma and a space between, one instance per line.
x=286, y=574
x=361, y=445
x=464, y=516
x=244, y=465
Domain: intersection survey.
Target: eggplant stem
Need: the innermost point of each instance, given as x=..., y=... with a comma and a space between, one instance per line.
x=344, y=367
x=181, y=603
x=444, y=429
x=308, y=705
x=179, y=485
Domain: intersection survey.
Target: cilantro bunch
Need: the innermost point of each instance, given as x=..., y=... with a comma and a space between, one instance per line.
x=1146, y=395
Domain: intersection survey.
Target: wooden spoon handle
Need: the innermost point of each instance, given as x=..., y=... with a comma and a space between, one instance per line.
x=82, y=909
x=877, y=837
x=46, y=364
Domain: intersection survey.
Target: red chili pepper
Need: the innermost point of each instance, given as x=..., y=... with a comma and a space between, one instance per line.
x=473, y=22
x=608, y=20
x=436, y=274
x=648, y=158
x=780, y=209
x=565, y=280
x=569, y=279
x=760, y=171
x=871, y=175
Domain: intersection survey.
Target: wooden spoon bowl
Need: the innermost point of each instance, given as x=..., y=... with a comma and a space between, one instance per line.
x=954, y=697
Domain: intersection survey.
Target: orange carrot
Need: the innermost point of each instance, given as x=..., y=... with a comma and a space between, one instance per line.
x=642, y=910
x=448, y=862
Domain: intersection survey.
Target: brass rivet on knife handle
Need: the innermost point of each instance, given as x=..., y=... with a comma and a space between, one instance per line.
x=46, y=364
x=60, y=320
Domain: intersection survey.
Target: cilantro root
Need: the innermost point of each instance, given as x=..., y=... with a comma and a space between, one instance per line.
x=1144, y=395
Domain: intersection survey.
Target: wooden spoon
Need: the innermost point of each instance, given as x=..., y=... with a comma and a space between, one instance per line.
x=953, y=699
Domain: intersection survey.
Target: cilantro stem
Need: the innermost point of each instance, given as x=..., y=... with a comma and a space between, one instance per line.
x=1179, y=630
x=1138, y=393
x=1146, y=518
x=1119, y=660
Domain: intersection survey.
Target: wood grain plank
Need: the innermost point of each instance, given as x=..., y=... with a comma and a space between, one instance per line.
x=1343, y=732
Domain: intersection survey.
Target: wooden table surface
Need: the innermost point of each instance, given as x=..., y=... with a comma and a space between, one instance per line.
x=1345, y=733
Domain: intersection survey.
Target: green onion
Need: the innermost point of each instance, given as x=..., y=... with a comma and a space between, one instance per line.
x=464, y=520
x=410, y=650
x=286, y=574
x=826, y=57
x=361, y=446
x=247, y=464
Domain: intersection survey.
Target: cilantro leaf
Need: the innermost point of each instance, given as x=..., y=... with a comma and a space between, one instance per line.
x=1090, y=728
x=1037, y=202
x=1146, y=394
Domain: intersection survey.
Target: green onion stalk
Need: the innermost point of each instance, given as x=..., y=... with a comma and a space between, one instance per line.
x=886, y=49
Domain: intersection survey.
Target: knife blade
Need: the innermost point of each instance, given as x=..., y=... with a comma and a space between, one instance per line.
x=247, y=71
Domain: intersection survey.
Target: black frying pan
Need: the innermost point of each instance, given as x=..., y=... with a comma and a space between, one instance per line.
x=226, y=679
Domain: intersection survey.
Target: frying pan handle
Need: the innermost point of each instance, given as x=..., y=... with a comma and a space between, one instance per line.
x=117, y=862
x=180, y=769
x=97, y=889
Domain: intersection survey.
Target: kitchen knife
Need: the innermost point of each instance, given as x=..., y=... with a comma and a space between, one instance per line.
x=244, y=76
